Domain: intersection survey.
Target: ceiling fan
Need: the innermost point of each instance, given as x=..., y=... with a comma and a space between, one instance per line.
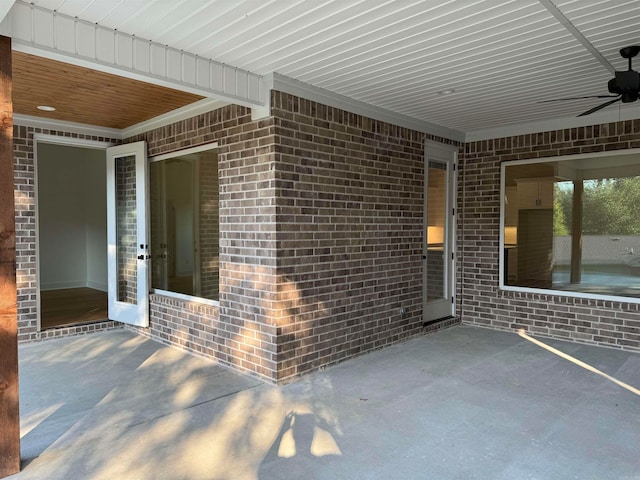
x=625, y=85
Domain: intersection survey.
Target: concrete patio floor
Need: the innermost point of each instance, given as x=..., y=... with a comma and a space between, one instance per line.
x=462, y=403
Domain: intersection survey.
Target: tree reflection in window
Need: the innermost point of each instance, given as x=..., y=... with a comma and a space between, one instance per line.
x=571, y=224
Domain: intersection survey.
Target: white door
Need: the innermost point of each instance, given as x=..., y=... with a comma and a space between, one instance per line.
x=439, y=246
x=127, y=234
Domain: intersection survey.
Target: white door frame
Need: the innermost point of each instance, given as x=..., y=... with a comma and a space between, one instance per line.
x=56, y=140
x=446, y=307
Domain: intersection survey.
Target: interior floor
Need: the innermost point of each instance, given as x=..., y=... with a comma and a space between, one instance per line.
x=72, y=306
x=182, y=284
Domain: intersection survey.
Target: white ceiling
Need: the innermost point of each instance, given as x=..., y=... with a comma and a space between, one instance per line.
x=500, y=56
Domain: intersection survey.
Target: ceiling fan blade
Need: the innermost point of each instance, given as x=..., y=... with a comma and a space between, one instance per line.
x=599, y=107
x=577, y=98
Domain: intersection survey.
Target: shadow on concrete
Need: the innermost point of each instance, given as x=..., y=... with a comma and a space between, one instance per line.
x=303, y=439
x=117, y=405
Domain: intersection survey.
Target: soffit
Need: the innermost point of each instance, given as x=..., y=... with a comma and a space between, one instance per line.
x=501, y=57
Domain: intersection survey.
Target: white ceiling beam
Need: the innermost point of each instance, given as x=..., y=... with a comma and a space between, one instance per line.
x=49, y=34
x=291, y=86
x=621, y=114
x=566, y=23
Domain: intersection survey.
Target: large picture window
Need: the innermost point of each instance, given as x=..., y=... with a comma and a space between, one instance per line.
x=572, y=224
x=185, y=223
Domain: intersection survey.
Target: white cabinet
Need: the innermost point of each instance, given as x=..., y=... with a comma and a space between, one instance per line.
x=535, y=193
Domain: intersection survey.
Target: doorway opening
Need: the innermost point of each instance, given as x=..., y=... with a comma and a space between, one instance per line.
x=72, y=234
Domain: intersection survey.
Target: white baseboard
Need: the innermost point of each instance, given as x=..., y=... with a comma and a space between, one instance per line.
x=103, y=287
x=61, y=285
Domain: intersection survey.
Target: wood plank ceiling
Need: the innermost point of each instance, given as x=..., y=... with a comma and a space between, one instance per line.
x=500, y=57
x=87, y=96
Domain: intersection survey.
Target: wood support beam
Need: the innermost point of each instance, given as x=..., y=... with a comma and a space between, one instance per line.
x=576, y=232
x=9, y=404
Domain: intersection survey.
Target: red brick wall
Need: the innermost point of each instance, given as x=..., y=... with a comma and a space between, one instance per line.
x=615, y=324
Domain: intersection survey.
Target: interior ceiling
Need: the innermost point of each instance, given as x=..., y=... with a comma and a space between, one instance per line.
x=501, y=57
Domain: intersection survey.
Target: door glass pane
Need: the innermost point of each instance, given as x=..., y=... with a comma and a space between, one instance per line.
x=157, y=197
x=185, y=224
x=126, y=229
x=436, y=230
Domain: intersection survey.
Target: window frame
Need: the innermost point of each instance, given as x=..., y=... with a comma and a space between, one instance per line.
x=544, y=291
x=168, y=156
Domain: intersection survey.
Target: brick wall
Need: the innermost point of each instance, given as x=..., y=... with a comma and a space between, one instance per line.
x=25, y=198
x=349, y=234
x=209, y=228
x=321, y=218
x=126, y=231
x=615, y=324
x=321, y=222
x=240, y=331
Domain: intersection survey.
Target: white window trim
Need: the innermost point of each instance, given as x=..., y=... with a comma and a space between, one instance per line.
x=185, y=297
x=544, y=291
x=186, y=151
x=167, y=293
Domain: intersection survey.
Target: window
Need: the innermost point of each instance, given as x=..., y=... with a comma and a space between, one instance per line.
x=572, y=224
x=185, y=223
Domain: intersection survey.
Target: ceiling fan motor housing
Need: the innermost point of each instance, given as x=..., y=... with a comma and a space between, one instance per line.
x=626, y=84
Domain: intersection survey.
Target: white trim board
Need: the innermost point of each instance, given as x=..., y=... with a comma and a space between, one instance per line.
x=67, y=127
x=598, y=118
x=183, y=113
x=69, y=141
x=188, y=111
x=289, y=85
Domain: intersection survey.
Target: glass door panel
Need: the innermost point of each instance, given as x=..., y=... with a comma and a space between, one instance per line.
x=439, y=232
x=127, y=255
x=436, y=231
x=126, y=239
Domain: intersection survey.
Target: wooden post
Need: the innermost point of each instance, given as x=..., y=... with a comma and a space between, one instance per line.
x=576, y=232
x=9, y=405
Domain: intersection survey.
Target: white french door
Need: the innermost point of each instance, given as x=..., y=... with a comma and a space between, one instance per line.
x=439, y=234
x=127, y=234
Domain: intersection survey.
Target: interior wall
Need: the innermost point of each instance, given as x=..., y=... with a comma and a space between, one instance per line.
x=96, y=217
x=72, y=217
